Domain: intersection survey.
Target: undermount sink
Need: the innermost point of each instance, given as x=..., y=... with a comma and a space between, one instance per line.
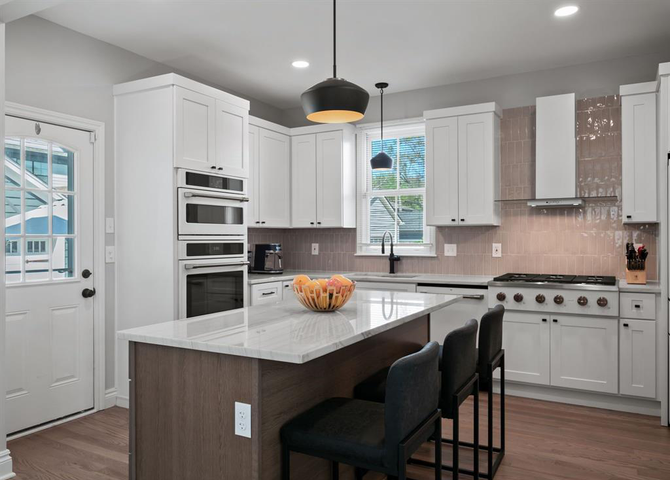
x=385, y=275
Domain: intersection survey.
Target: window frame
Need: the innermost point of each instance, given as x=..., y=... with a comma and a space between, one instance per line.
x=364, y=134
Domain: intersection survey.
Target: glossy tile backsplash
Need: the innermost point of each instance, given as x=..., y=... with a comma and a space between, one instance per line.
x=588, y=240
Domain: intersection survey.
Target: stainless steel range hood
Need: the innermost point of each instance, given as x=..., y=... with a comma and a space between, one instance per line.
x=556, y=153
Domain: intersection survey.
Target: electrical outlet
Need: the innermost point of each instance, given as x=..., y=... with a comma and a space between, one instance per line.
x=109, y=225
x=450, y=250
x=315, y=249
x=497, y=250
x=110, y=254
x=243, y=419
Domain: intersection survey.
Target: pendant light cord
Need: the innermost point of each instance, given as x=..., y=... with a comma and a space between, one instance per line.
x=334, y=38
x=382, y=112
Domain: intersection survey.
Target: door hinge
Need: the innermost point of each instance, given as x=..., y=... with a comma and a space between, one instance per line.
x=94, y=137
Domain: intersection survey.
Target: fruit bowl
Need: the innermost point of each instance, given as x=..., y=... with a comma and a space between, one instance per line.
x=323, y=295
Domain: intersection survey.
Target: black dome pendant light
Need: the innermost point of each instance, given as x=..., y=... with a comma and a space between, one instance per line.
x=382, y=161
x=335, y=100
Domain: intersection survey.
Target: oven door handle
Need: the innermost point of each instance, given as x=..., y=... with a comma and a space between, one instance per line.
x=193, y=266
x=220, y=197
x=473, y=297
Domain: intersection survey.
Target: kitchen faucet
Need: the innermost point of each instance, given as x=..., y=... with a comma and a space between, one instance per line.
x=392, y=257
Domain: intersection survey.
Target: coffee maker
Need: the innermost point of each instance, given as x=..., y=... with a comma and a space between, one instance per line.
x=267, y=258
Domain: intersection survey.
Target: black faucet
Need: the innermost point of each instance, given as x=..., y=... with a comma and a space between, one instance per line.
x=392, y=256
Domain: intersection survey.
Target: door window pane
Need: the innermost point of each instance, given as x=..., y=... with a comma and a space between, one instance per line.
x=63, y=214
x=37, y=259
x=37, y=213
x=382, y=217
x=13, y=260
x=62, y=162
x=62, y=258
x=13, y=162
x=410, y=219
x=37, y=163
x=13, y=212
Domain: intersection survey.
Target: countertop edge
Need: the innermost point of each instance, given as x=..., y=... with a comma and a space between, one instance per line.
x=474, y=280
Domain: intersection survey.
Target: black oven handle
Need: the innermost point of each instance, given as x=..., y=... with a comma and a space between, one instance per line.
x=220, y=197
x=193, y=266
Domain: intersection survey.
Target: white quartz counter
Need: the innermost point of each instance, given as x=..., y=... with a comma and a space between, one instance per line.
x=469, y=280
x=649, y=287
x=287, y=331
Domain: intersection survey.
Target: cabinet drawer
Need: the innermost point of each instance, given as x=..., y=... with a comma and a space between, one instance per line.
x=638, y=305
x=266, y=293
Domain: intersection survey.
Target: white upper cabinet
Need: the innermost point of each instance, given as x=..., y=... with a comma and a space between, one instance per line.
x=639, y=159
x=195, y=127
x=232, y=140
x=303, y=166
x=252, y=184
x=463, y=165
x=324, y=178
x=272, y=172
x=442, y=171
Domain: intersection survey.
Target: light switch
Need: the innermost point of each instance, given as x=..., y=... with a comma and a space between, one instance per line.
x=110, y=254
x=315, y=249
x=450, y=250
x=497, y=250
x=109, y=225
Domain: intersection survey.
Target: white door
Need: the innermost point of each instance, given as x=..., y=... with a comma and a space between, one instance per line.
x=303, y=166
x=475, y=169
x=232, y=140
x=442, y=171
x=584, y=353
x=195, y=130
x=329, y=165
x=49, y=244
x=526, y=343
x=252, y=185
x=275, y=179
x=637, y=357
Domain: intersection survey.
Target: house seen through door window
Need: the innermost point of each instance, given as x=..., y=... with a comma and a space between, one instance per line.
x=40, y=209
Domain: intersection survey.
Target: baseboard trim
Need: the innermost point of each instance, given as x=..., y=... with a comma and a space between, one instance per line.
x=6, y=466
x=110, y=398
x=618, y=403
x=123, y=402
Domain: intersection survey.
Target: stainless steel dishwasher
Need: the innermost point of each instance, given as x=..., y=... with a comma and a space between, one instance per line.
x=473, y=305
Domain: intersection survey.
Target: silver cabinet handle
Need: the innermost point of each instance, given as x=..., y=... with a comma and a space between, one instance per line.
x=221, y=197
x=266, y=294
x=37, y=261
x=193, y=266
x=474, y=297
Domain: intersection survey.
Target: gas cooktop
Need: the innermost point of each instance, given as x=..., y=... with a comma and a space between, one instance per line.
x=563, y=279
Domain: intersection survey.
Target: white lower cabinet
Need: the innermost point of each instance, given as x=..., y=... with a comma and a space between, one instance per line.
x=526, y=341
x=265, y=293
x=584, y=353
x=637, y=357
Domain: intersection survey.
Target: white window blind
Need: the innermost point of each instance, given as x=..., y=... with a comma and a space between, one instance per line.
x=394, y=200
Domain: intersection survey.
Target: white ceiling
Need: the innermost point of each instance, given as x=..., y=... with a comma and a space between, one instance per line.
x=248, y=45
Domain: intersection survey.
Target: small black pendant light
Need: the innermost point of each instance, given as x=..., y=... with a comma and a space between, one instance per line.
x=335, y=100
x=382, y=161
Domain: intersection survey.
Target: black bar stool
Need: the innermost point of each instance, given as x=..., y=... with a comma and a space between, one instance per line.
x=370, y=435
x=491, y=356
x=459, y=380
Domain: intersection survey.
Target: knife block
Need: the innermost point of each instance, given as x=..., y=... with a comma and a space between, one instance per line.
x=636, y=277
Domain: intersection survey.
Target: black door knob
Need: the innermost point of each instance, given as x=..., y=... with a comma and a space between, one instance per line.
x=88, y=292
x=86, y=273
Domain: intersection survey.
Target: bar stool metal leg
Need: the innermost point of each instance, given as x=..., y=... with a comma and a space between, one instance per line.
x=335, y=471
x=438, y=449
x=455, y=438
x=286, y=462
x=475, y=440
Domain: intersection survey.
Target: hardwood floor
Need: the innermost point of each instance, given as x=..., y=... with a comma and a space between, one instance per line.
x=545, y=441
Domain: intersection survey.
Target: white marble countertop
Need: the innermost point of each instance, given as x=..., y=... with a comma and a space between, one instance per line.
x=479, y=280
x=287, y=331
x=650, y=287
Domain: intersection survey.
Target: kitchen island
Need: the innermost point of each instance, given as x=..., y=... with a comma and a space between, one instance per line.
x=281, y=359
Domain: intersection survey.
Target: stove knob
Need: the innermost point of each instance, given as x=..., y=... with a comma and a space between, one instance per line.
x=540, y=298
x=602, y=302
x=582, y=301
x=501, y=297
x=558, y=299
x=518, y=298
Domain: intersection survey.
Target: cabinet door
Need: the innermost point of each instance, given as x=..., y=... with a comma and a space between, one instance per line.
x=526, y=343
x=638, y=143
x=329, y=167
x=303, y=187
x=637, y=357
x=477, y=170
x=442, y=172
x=232, y=140
x=195, y=122
x=264, y=293
x=254, y=177
x=274, y=187
x=584, y=353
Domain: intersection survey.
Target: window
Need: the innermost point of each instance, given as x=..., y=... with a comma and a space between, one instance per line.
x=394, y=200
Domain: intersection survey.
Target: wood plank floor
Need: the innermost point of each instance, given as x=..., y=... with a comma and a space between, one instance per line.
x=545, y=441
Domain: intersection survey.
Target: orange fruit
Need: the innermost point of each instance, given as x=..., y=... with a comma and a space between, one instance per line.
x=312, y=286
x=345, y=281
x=300, y=281
x=323, y=283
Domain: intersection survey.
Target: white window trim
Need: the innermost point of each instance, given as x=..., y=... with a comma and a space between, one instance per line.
x=362, y=195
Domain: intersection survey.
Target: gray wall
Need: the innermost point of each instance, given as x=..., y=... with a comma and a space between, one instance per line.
x=54, y=68
x=588, y=80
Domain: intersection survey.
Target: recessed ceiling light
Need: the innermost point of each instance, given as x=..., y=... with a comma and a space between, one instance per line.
x=566, y=11
x=300, y=64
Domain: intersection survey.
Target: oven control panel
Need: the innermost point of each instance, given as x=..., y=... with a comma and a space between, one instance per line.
x=555, y=300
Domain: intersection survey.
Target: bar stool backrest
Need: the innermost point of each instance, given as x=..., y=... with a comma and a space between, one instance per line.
x=412, y=395
x=490, y=339
x=459, y=363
